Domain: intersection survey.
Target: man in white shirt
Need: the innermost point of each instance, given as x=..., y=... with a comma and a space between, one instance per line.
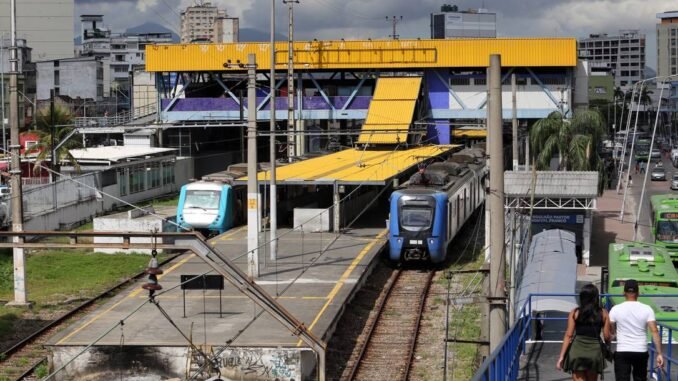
x=631, y=321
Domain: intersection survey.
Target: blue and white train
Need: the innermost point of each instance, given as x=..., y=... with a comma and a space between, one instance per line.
x=434, y=204
x=206, y=206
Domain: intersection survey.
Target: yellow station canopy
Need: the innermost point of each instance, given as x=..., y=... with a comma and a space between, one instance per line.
x=353, y=166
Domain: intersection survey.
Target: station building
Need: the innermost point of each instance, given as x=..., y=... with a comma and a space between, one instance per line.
x=335, y=83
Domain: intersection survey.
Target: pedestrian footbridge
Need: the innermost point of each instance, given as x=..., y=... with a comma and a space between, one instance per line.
x=530, y=348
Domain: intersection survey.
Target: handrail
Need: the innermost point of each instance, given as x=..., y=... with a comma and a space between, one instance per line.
x=503, y=363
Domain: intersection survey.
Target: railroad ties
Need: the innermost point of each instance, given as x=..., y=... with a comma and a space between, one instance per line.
x=387, y=346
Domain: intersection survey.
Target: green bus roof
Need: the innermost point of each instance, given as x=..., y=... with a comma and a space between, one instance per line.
x=652, y=267
x=664, y=202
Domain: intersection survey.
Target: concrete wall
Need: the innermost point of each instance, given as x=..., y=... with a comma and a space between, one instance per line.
x=76, y=78
x=133, y=221
x=313, y=220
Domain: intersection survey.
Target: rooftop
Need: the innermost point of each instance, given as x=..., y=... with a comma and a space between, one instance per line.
x=117, y=153
x=569, y=184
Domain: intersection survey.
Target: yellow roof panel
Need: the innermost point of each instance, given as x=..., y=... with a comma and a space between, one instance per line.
x=390, y=112
x=366, y=54
x=354, y=166
x=397, y=88
x=391, y=109
x=469, y=133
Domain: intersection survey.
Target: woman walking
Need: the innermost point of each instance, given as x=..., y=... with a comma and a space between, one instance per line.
x=582, y=350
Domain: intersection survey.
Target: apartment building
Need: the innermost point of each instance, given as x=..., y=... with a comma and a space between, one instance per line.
x=623, y=54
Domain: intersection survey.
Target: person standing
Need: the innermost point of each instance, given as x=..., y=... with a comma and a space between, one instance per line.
x=631, y=321
x=581, y=352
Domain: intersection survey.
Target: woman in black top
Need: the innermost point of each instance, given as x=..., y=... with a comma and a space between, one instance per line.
x=581, y=353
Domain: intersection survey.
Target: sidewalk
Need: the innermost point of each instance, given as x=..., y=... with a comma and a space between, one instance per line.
x=606, y=227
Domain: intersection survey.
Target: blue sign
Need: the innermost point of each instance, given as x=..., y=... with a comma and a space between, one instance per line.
x=571, y=219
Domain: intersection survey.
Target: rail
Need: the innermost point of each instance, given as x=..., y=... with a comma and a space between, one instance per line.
x=504, y=362
x=117, y=119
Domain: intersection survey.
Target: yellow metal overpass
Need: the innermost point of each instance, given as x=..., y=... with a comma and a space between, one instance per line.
x=366, y=54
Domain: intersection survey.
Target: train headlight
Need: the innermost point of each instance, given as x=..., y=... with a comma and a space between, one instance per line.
x=431, y=241
x=400, y=240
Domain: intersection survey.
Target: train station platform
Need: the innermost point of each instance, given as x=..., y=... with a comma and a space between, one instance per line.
x=315, y=276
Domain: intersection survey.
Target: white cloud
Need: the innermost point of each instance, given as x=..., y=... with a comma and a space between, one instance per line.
x=143, y=5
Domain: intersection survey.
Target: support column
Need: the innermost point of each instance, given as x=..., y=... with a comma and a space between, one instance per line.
x=439, y=132
x=514, y=121
x=586, y=240
x=496, y=199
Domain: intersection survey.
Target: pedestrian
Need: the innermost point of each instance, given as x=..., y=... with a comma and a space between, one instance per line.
x=637, y=167
x=631, y=321
x=582, y=351
x=642, y=167
x=630, y=182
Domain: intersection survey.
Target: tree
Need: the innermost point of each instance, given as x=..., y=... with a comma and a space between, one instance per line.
x=62, y=138
x=575, y=141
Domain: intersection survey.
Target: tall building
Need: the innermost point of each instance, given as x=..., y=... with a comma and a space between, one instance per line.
x=206, y=23
x=667, y=34
x=623, y=54
x=121, y=53
x=47, y=26
x=79, y=77
x=473, y=23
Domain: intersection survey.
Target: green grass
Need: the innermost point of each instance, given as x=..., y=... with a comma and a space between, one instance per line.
x=56, y=277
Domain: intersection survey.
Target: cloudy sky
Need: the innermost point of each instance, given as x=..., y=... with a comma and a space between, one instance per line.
x=324, y=19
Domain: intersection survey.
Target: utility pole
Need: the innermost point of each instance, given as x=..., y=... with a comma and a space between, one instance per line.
x=489, y=161
x=514, y=116
x=273, y=191
x=290, y=81
x=252, y=187
x=2, y=93
x=20, y=293
x=496, y=198
x=395, y=20
x=53, y=162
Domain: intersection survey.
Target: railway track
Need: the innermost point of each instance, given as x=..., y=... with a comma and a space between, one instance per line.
x=21, y=360
x=387, y=348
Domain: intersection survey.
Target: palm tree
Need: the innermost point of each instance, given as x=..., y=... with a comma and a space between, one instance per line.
x=645, y=100
x=575, y=141
x=62, y=118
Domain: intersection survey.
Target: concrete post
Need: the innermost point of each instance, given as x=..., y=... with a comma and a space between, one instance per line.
x=290, y=82
x=527, y=153
x=337, y=206
x=496, y=200
x=252, y=188
x=514, y=117
x=273, y=216
x=489, y=161
x=20, y=292
x=586, y=244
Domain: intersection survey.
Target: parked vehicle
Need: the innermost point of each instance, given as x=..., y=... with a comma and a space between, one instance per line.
x=674, y=182
x=658, y=173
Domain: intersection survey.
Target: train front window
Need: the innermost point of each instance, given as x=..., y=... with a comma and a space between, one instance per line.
x=202, y=199
x=667, y=231
x=416, y=217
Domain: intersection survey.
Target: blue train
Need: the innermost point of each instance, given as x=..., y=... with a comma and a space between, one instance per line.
x=206, y=206
x=433, y=205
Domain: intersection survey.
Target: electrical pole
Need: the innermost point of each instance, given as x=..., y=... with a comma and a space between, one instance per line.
x=395, y=21
x=514, y=116
x=53, y=149
x=2, y=93
x=273, y=192
x=290, y=81
x=20, y=293
x=496, y=199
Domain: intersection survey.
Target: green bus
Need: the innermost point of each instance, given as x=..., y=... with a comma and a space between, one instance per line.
x=665, y=223
x=652, y=267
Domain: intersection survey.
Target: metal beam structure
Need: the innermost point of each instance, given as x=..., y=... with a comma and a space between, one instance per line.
x=564, y=203
x=195, y=243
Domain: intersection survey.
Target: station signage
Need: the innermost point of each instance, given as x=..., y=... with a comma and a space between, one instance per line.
x=558, y=219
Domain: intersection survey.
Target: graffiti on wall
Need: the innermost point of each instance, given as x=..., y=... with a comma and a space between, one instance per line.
x=261, y=364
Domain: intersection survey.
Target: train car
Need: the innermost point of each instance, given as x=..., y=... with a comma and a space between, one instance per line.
x=651, y=266
x=206, y=206
x=665, y=223
x=433, y=205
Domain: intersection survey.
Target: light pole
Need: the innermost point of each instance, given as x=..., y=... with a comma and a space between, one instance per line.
x=2, y=92
x=273, y=223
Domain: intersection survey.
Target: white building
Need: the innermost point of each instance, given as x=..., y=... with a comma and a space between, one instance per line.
x=623, y=54
x=667, y=37
x=79, y=77
x=473, y=23
x=207, y=23
x=47, y=26
x=124, y=53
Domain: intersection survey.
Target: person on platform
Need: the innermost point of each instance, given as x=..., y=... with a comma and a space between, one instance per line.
x=631, y=321
x=581, y=353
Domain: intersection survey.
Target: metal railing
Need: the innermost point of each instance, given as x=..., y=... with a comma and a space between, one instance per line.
x=504, y=362
x=117, y=119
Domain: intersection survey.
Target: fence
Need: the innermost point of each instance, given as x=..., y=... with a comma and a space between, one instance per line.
x=117, y=119
x=504, y=362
